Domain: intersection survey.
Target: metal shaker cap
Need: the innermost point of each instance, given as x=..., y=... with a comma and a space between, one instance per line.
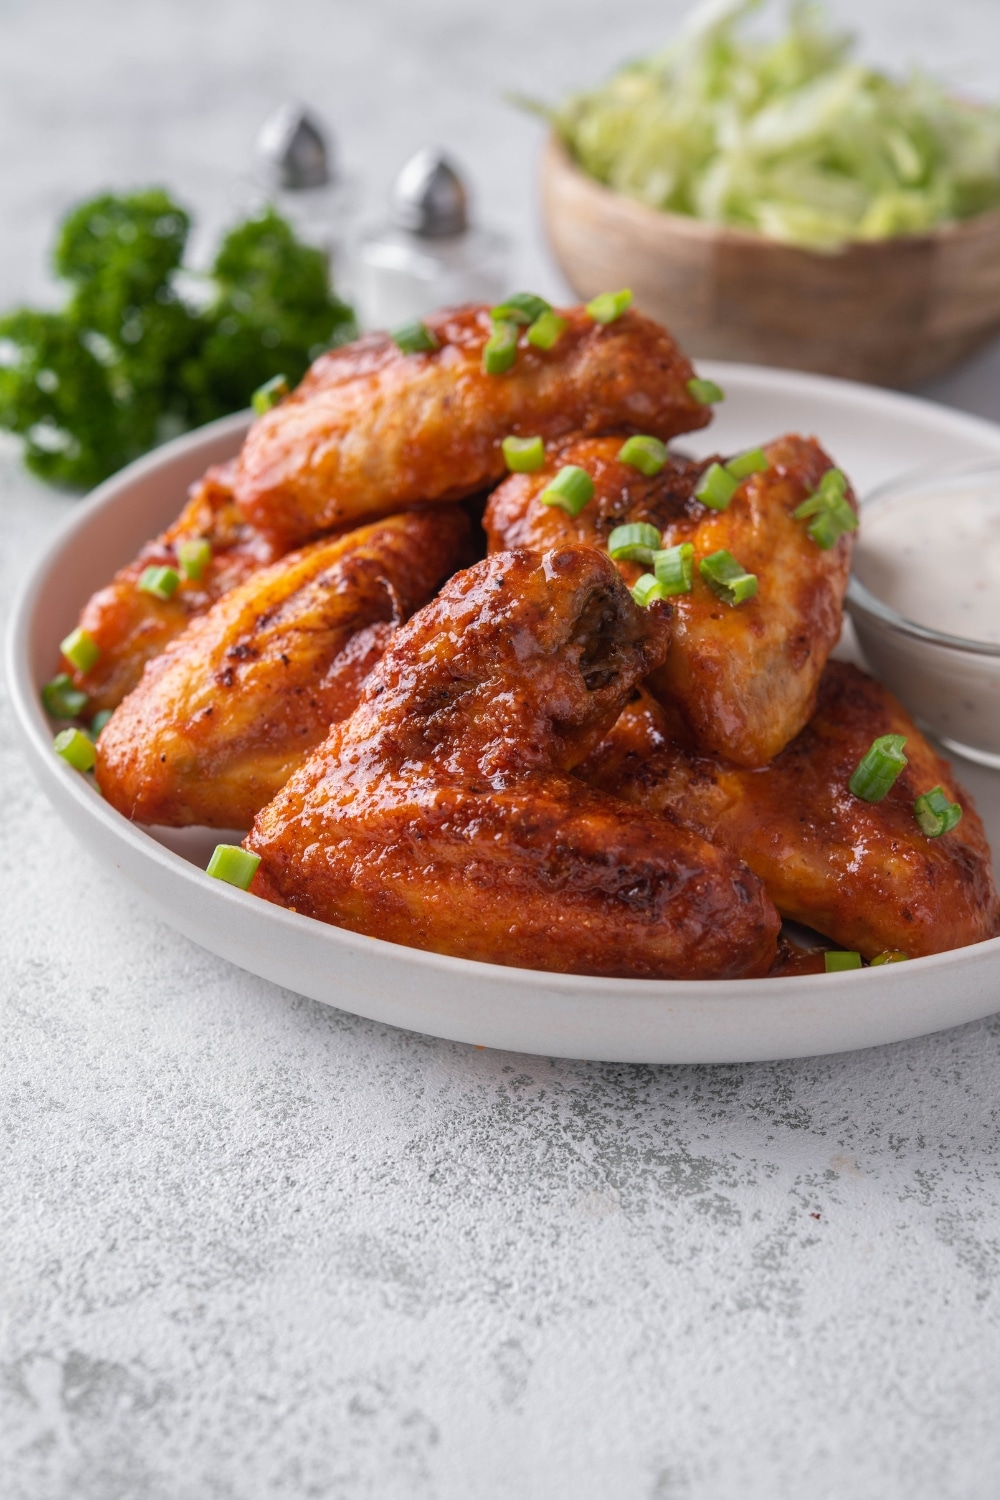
x=294, y=149
x=429, y=197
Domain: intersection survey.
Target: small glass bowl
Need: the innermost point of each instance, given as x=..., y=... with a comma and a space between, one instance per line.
x=950, y=685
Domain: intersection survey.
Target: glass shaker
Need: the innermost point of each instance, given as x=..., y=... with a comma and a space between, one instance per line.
x=298, y=172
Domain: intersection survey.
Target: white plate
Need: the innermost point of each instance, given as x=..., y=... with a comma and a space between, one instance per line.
x=873, y=434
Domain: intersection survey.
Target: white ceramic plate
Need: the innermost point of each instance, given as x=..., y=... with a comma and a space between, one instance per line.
x=874, y=435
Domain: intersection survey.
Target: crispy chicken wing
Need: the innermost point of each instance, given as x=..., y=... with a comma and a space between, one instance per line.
x=442, y=815
x=861, y=873
x=235, y=703
x=371, y=428
x=745, y=677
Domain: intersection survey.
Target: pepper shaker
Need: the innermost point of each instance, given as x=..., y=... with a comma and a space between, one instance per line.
x=299, y=173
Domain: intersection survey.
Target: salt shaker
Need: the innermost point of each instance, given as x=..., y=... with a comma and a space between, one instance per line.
x=298, y=172
x=429, y=255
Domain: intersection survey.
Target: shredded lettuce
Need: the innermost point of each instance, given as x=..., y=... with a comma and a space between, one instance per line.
x=791, y=137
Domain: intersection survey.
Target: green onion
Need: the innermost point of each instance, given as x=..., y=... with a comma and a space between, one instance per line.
x=523, y=307
x=61, y=699
x=646, y=589
x=523, y=455
x=674, y=568
x=836, y=961
x=754, y=461
x=81, y=649
x=935, y=814
x=890, y=956
x=634, y=543
x=647, y=454
x=571, y=489
x=234, y=865
x=878, y=768
x=414, y=338
x=828, y=511
x=716, y=488
x=269, y=394
x=609, y=306
x=160, y=582
x=500, y=349
x=99, y=720
x=194, y=557
x=76, y=748
x=727, y=578
x=705, y=392
x=547, y=330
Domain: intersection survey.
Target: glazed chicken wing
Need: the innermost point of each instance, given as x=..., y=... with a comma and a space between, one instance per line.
x=235, y=703
x=371, y=429
x=745, y=677
x=441, y=814
x=861, y=873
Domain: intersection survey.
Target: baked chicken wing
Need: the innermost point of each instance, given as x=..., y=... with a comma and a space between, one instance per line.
x=235, y=703
x=442, y=814
x=371, y=429
x=861, y=873
x=744, y=676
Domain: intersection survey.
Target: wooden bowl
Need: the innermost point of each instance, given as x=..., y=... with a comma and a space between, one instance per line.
x=895, y=312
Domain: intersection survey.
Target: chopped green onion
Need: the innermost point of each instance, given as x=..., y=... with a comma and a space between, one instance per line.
x=935, y=814
x=61, y=699
x=269, y=394
x=609, y=306
x=754, y=461
x=674, y=568
x=414, y=338
x=646, y=589
x=705, y=392
x=716, y=488
x=99, y=720
x=647, y=454
x=194, y=557
x=500, y=349
x=547, y=330
x=523, y=455
x=828, y=511
x=634, y=543
x=523, y=307
x=234, y=865
x=836, y=961
x=571, y=489
x=76, y=748
x=727, y=578
x=890, y=956
x=160, y=582
x=878, y=768
x=81, y=649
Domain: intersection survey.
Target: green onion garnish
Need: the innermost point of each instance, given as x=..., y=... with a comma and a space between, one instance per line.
x=523, y=455
x=61, y=699
x=835, y=962
x=571, y=489
x=160, y=582
x=500, y=349
x=754, y=461
x=609, y=306
x=99, y=720
x=634, y=543
x=716, y=488
x=878, y=768
x=269, y=394
x=646, y=589
x=81, y=649
x=705, y=392
x=890, y=956
x=828, y=511
x=76, y=748
x=727, y=578
x=234, y=865
x=194, y=557
x=414, y=338
x=674, y=568
x=935, y=814
x=647, y=454
x=523, y=308
x=547, y=330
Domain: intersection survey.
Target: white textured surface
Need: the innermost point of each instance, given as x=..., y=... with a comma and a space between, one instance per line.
x=253, y=1247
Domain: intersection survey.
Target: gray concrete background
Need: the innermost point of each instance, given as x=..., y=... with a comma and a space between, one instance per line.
x=253, y=1247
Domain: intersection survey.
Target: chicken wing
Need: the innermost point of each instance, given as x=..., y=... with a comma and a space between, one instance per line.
x=441, y=814
x=371, y=429
x=223, y=716
x=745, y=677
x=861, y=873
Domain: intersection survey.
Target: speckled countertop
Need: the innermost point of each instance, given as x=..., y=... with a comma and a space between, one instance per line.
x=253, y=1247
